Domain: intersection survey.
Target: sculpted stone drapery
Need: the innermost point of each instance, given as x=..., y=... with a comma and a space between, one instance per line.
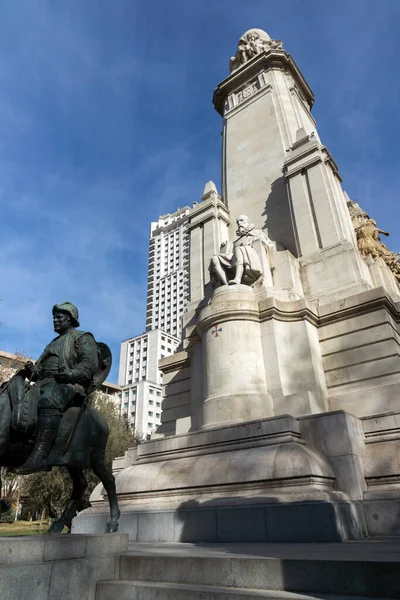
x=252, y=43
x=242, y=265
x=369, y=244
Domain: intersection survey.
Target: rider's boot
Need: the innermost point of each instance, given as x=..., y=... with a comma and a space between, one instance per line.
x=49, y=420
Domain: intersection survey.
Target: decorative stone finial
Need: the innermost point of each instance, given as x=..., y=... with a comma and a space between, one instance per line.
x=210, y=189
x=252, y=43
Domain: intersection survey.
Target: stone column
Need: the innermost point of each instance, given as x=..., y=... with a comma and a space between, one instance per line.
x=330, y=264
x=233, y=366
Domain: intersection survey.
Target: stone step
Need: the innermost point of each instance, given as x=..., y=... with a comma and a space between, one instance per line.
x=371, y=578
x=144, y=590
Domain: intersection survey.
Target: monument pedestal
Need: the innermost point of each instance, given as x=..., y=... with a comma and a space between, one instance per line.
x=244, y=482
x=234, y=376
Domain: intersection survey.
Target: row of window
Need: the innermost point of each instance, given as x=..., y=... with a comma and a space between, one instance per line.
x=168, y=340
x=151, y=390
x=133, y=403
x=177, y=218
x=140, y=342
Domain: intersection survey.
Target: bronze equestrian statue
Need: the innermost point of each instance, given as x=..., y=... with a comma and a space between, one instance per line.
x=47, y=421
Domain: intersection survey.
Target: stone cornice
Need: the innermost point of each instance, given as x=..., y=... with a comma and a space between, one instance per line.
x=305, y=156
x=208, y=318
x=373, y=300
x=275, y=309
x=179, y=360
x=211, y=209
x=300, y=310
x=283, y=428
x=271, y=59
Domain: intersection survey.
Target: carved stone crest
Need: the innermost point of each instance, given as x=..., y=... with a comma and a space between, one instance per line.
x=252, y=43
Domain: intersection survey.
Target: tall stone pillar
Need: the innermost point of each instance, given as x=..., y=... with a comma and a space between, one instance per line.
x=275, y=169
x=263, y=103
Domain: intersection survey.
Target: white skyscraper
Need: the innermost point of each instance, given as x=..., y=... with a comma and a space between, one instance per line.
x=167, y=293
x=140, y=379
x=168, y=283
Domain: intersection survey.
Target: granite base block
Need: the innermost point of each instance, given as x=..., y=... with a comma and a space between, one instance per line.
x=58, y=567
x=272, y=522
x=383, y=517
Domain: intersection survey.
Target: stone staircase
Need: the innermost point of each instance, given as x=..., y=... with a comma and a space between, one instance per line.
x=349, y=571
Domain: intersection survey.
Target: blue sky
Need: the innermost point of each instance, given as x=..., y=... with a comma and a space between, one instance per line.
x=106, y=122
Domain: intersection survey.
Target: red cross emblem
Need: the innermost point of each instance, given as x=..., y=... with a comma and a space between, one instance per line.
x=216, y=330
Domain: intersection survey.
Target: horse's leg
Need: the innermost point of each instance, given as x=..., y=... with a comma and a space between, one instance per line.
x=79, y=485
x=107, y=479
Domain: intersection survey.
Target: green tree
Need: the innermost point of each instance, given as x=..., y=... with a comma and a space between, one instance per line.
x=51, y=490
x=9, y=493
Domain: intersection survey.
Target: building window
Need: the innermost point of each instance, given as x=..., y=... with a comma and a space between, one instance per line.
x=158, y=404
x=158, y=415
x=158, y=393
x=150, y=413
x=151, y=402
x=150, y=425
x=133, y=402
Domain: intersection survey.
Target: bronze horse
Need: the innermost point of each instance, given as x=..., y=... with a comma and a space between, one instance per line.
x=80, y=443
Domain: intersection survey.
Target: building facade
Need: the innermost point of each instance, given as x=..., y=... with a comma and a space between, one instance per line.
x=167, y=293
x=168, y=285
x=141, y=380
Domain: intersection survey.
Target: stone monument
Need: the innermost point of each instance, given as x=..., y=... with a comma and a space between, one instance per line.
x=281, y=416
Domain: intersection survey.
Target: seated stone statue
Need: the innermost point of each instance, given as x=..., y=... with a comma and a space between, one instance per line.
x=242, y=265
x=63, y=373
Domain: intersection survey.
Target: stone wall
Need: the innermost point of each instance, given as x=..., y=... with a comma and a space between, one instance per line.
x=58, y=567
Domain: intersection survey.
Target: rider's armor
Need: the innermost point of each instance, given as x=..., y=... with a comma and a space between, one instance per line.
x=76, y=351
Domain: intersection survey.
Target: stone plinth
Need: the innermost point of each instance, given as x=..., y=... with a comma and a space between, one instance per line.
x=234, y=375
x=58, y=567
x=240, y=483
